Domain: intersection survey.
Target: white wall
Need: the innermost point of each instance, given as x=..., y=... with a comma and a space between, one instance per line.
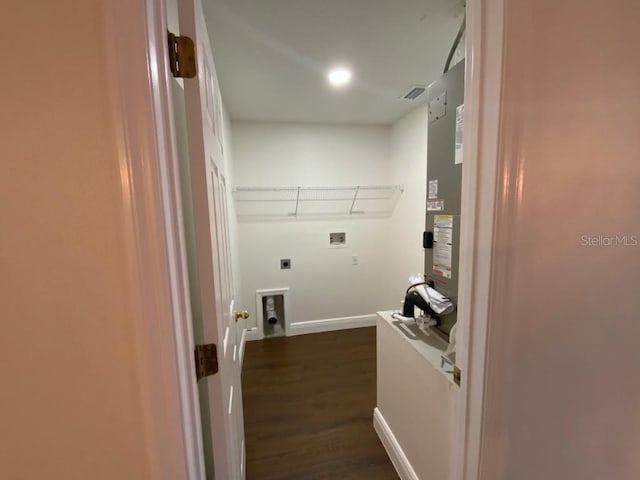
x=324, y=283
x=71, y=402
x=310, y=154
x=408, y=167
x=563, y=388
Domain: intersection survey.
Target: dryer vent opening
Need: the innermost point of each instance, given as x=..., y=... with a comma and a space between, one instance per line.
x=273, y=316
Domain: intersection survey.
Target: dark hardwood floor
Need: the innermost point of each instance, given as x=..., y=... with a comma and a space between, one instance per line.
x=308, y=407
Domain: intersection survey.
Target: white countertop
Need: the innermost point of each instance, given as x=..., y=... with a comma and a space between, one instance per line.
x=431, y=347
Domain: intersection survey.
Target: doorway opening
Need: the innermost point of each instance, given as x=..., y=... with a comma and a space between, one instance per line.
x=299, y=163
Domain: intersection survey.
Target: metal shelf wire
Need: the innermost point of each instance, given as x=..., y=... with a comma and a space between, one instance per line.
x=298, y=201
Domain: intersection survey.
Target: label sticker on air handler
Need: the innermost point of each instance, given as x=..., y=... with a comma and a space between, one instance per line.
x=435, y=205
x=442, y=245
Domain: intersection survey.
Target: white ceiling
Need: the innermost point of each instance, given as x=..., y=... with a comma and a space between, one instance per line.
x=272, y=55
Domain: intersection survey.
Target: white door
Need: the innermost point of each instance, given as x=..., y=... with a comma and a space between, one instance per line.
x=221, y=399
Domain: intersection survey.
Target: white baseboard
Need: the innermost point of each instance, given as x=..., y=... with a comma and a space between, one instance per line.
x=393, y=448
x=330, y=324
x=315, y=326
x=248, y=334
x=251, y=334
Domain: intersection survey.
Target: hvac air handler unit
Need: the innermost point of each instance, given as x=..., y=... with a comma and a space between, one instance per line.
x=441, y=239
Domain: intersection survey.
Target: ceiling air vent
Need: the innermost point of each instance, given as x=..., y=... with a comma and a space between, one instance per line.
x=414, y=92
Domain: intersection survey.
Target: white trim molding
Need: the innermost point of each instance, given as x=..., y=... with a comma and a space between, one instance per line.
x=251, y=334
x=483, y=92
x=394, y=450
x=331, y=324
x=312, y=326
x=247, y=335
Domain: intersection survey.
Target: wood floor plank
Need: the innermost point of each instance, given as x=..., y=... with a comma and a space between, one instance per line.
x=308, y=405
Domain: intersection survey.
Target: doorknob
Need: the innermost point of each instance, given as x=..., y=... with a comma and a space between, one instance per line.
x=244, y=314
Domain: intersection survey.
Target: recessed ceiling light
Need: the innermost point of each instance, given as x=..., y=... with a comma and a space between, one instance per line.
x=339, y=77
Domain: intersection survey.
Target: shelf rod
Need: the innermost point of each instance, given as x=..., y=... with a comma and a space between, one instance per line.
x=312, y=188
x=355, y=195
x=309, y=199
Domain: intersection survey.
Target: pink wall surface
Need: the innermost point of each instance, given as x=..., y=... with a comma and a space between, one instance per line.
x=70, y=401
x=563, y=391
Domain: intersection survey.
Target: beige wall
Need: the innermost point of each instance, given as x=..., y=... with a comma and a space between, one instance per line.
x=563, y=390
x=70, y=406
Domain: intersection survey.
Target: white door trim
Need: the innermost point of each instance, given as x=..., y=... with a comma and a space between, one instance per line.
x=483, y=89
x=151, y=198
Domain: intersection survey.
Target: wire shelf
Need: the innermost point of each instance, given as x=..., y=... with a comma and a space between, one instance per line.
x=316, y=200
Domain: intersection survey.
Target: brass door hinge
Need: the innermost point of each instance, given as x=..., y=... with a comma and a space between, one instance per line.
x=182, y=56
x=457, y=375
x=206, y=360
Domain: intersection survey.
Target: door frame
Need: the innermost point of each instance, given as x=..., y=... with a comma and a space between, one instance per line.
x=159, y=280
x=480, y=199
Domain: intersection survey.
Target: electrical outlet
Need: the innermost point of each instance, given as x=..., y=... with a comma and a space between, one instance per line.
x=337, y=239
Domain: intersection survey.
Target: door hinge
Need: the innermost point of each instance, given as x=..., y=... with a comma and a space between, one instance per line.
x=457, y=375
x=182, y=56
x=206, y=360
